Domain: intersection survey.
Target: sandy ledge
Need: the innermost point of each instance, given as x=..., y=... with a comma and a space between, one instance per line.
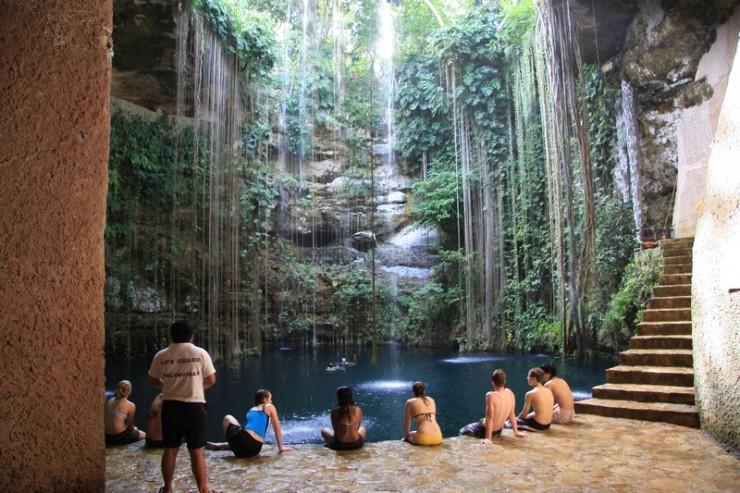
x=594, y=454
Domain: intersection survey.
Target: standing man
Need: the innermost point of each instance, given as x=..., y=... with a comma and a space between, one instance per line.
x=540, y=397
x=564, y=410
x=183, y=371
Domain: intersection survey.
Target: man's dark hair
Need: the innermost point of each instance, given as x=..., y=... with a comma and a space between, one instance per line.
x=181, y=331
x=498, y=377
x=550, y=369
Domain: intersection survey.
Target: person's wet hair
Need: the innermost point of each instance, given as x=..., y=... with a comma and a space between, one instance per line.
x=123, y=389
x=537, y=374
x=181, y=331
x=344, y=396
x=498, y=377
x=260, y=395
x=550, y=369
x=419, y=388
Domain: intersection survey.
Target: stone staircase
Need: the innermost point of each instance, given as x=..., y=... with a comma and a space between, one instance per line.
x=655, y=377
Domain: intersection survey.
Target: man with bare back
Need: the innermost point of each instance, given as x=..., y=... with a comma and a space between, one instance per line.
x=564, y=410
x=541, y=398
x=500, y=405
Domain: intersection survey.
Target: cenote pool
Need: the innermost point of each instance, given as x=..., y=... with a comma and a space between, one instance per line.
x=305, y=392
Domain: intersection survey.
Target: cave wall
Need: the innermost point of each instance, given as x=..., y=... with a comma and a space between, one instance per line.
x=660, y=58
x=715, y=301
x=696, y=127
x=54, y=133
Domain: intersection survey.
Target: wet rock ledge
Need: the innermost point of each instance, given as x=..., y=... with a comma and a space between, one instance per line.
x=594, y=454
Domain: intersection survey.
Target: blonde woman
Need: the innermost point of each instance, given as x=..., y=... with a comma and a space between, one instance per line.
x=119, y=417
x=423, y=409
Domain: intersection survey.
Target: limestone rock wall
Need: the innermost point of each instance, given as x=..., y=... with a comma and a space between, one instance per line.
x=716, y=278
x=696, y=128
x=660, y=57
x=54, y=133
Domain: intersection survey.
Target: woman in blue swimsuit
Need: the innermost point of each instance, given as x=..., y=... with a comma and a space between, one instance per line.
x=247, y=440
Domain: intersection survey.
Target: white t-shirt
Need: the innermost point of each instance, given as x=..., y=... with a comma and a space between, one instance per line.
x=182, y=367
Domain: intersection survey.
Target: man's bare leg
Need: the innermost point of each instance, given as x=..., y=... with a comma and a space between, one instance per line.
x=198, y=464
x=169, y=459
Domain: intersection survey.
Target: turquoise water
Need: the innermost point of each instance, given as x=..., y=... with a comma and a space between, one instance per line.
x=304, y=392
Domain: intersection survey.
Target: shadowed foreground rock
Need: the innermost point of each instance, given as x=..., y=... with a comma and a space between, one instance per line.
x=594, y=454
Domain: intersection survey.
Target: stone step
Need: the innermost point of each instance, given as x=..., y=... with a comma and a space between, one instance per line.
x=680, y=414
x=675, y=290
x=677, y=260
x=645, y=393
x=661, y=342
x=667, y=315
x=678, y=252
x=659, y=302
x=674, y=279
x=651, y=375
x=680, y=328
x=657, y=357
x=670, y=269
x=677, y=244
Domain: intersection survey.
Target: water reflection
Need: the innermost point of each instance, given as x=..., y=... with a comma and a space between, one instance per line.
x=304, y=392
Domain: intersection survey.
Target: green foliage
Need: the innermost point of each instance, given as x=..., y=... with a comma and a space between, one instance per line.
x=421, y=106
x=436, y=199
x=425, y=312
x=601, y=101
x=244, y=32
x=544, y=335
x=630, y=301
x=142, y=163
x=351, y=301
x=148, y=188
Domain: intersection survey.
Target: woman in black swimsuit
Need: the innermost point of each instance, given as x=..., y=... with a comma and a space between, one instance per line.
x=346, y=421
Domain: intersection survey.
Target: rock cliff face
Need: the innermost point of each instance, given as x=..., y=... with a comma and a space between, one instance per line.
x=654, y=46
x=144, y=39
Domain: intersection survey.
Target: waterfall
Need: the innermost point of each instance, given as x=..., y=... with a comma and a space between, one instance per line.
x=628, y=173
x=385, y=48
x=207, y=69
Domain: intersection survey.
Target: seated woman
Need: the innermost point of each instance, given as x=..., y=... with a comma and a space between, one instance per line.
x=119, y=417
x=424, y=410
x=347, y=432
x=247, y=440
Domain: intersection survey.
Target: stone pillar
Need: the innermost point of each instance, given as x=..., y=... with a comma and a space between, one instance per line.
x=715, y=303
x=54, y=138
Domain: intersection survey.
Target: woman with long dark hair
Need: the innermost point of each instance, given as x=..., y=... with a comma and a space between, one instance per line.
x=347, y=431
